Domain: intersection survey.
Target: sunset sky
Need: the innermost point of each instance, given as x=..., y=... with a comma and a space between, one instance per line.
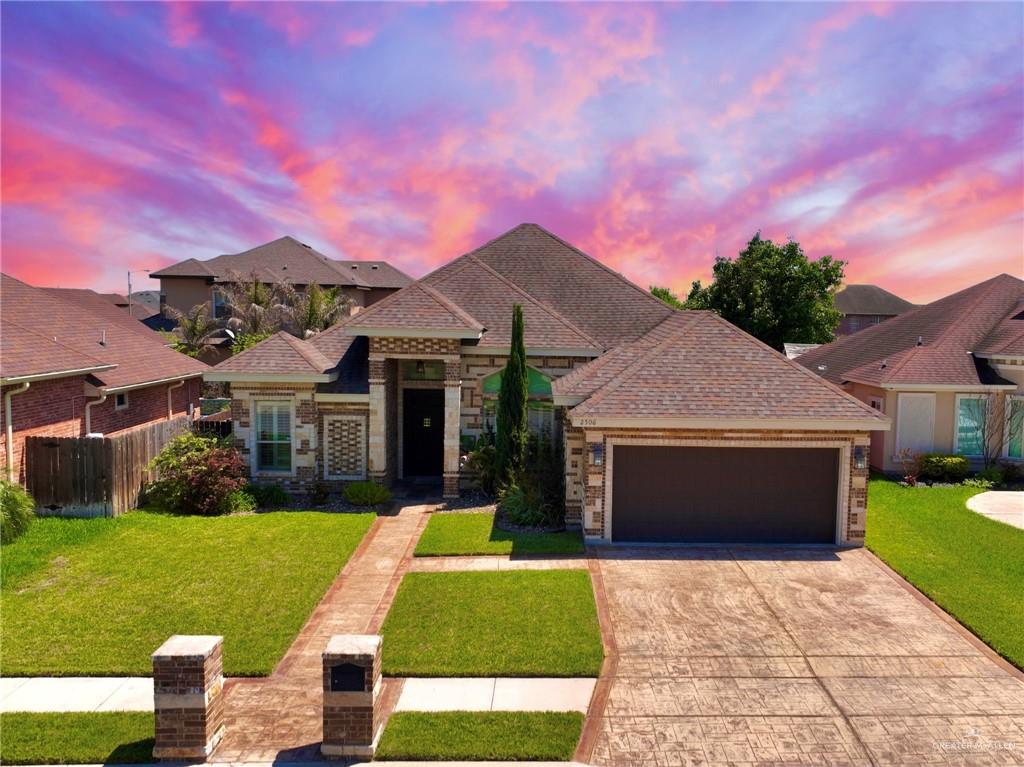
x=651, y=136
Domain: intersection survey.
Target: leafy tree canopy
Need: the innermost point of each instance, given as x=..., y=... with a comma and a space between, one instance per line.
x=667, y=296
x=774, y=292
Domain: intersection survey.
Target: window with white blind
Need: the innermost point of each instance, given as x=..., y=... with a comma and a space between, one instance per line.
x=274, y=436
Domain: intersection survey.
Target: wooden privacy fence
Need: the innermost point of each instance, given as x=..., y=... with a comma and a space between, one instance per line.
x=95, y=476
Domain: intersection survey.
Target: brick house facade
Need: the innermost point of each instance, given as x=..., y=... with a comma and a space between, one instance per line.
x=393, y=393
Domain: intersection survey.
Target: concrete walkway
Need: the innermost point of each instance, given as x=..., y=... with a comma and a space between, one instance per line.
x=496, y=694
x=62, y=694
x=278, y=718
x=492, y=563
x=1001, y=505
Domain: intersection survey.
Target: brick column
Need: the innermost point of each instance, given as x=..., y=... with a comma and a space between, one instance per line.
x=452, y=426
x=351, y=681
x=377, y=457
x=188, y=700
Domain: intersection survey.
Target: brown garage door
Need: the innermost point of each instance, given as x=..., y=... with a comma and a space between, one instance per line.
x=724, y=495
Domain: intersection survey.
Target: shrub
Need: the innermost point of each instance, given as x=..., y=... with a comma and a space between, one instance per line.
x=239, y=502
x=269, y=496
x=197, y=475
x=366, y=493
x=984, y=484
x=17, y=510
x=910, y=462
x=481, y=466
x=1011, y=471
x=993, y=474
x=524, y=505
x=944, y=468
x=319, y=493
x=538, y=497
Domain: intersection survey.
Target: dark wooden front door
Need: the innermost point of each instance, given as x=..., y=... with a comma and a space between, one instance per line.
x=422, y=432
x=724, y=494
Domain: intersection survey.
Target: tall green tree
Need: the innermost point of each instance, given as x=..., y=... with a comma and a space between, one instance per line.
x=667, y=297
x=774, y=292
x=512, y=427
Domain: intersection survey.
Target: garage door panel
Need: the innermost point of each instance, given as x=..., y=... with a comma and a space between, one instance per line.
x=724, y=495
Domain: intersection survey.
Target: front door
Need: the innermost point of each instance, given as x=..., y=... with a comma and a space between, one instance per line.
x=422, y=432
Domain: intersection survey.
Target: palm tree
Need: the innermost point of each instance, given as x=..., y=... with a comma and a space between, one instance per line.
x=315, y=309
x=255, y=308
x=192, y=336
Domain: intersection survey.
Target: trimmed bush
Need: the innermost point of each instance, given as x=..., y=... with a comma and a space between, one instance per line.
x=944, y=468
x=319, y=494
x=366, y=493
x=993, y=474
x=239, y=502
x=269, y=496
x=480, y=464
x=197, y=475
x=17, y=510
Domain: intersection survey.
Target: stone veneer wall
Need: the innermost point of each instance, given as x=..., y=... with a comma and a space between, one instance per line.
x=308, y=428
x=575, y=470
x=590, y=482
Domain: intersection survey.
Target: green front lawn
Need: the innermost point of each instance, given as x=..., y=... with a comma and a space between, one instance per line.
x=481, y=735
x=519, y=623
x=467, y=534
x=110, y=738
x=971, y=566
x=95, y=597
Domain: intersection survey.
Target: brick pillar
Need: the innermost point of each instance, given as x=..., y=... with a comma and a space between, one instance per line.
x=351, y=681
x=452, y=425
x=188, y=700
x=377, y=463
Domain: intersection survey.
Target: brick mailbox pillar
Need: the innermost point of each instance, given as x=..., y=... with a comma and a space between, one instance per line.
x=188, y=686
x=351, y=691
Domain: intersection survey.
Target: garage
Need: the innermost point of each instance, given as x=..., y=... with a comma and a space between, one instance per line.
x=697, y=494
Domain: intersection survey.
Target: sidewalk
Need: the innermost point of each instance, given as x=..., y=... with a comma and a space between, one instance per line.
x=496, y=694
x=83, y=693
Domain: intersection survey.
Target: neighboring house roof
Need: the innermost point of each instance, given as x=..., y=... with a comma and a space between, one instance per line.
x=932, y=344
x=870, y=300
x=697, y=368
x=795, y=350
x=123, y=351
x=528, y=265
x=288, y=259
x=105, y=305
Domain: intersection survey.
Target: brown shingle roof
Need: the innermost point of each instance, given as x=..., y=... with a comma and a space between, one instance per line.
x=870, y=299
x=104, y=304
x=949, y=330
x=416, y=307
x=24, y=352
x=288, y=259
x=281, y=354
x=489, y=297
x=137, y=354
x=1007, y=338
x=695, y=365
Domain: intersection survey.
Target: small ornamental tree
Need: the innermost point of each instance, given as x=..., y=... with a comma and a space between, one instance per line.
x=512, y=429
x=197, y=475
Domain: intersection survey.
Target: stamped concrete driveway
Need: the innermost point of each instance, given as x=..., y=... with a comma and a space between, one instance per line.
x=789, y=656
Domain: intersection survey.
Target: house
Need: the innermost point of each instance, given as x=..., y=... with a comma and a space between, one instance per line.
x=70, y=367
x=112, y=305
x=863, y=306
x=676, y=425
x=943, y=372
x=191, y=282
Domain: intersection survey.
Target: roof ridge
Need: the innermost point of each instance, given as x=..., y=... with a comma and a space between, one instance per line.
x=631, y=369
x=810, y=374
x=308, y=353
x=603, y=266
x=450, y=305
x=541, y=304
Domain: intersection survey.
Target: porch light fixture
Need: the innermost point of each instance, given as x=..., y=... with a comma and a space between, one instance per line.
x=597, y=454
x=421, y=367
x=860, y=460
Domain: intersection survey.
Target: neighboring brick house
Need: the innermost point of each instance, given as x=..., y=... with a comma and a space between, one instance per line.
x=187, y=283
x=864, y=306
x=736, y=430
x=66, y=370
x=941, y=371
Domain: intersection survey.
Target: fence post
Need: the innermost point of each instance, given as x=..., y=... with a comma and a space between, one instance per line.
x=188, y=700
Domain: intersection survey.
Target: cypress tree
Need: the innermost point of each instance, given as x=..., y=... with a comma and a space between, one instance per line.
x=511, y=439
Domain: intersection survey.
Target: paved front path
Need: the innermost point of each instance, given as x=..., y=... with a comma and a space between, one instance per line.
x=279, y=718
x=1001, y=505
x=796, y=656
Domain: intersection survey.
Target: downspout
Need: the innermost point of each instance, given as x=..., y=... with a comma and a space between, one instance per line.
x=170, y=390
x=88, y=412
x=10, y=427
